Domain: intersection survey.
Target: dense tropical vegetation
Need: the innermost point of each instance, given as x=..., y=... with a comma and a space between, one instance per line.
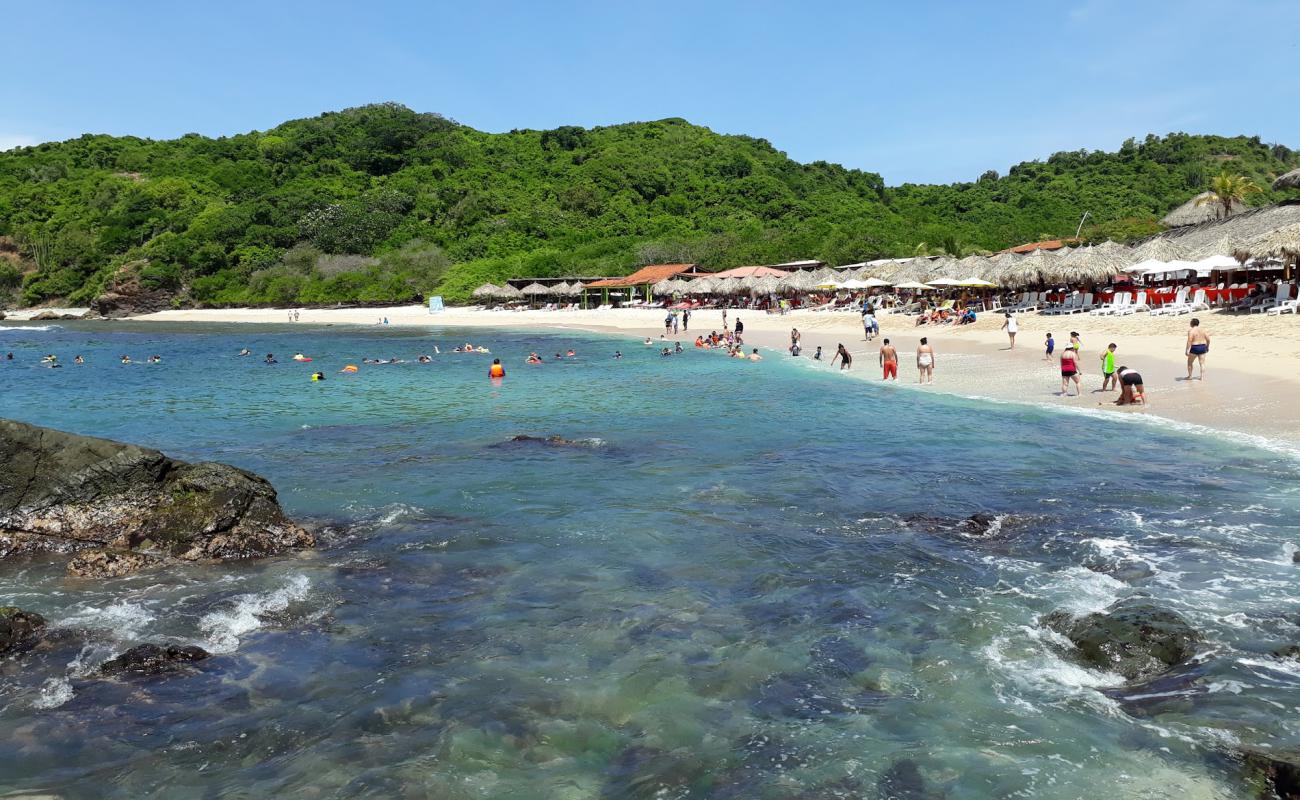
x=380, y=203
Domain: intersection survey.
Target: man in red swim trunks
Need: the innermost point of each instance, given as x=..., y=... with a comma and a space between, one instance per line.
x=889, y=361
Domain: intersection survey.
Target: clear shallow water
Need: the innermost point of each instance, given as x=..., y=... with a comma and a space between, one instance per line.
x=722, y=596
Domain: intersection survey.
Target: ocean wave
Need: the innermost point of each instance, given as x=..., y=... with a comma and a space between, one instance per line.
x=224, y=629
x=29, y=328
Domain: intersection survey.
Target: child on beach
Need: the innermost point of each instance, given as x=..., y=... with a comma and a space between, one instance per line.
x=1108, y=378
x=1051, y=346
x=1076, y=342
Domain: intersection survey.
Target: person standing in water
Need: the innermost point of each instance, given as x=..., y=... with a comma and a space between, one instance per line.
x=845, y=359
x=925, y=361
x=1070, y=371
x=1011, y=327
x=496, y=371
x=1108, y=378
x=1198, y=346
x=889, y=361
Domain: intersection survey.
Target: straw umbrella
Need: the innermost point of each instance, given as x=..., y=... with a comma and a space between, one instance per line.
x=1283, y=244
x=1290, y=180
x=562, y=289
x=701, y=286
x=485, y=292
x=663, y=287
x=1161, y=248
x=1031, y=268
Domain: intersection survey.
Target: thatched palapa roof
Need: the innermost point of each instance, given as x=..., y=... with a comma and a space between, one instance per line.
x=1201, y=208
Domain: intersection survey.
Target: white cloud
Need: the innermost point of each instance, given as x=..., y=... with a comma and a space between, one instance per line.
x=9, y=141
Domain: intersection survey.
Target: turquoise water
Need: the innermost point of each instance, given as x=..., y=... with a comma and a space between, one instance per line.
x=727, y=591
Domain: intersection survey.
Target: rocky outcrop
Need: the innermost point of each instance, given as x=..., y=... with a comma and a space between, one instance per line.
x=126, y=295
x=152, y=659
x=49, y=316
x=1134, y=638
x=119, y=507
x=18, y=628
x=1273, y=774
x=549, y=441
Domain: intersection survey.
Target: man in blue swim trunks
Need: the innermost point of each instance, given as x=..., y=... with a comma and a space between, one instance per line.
x=1198, y=345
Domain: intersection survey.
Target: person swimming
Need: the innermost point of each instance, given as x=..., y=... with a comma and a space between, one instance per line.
x=49, y=359
x=648, y=341
x=617, y=354
x=677, y=348
x=424, y=359
x=317, y=376
x=78, y=360
x=270, y=359
x=496, y=370
x=571, y=354
x=533, y=358
x=245, y=352
x=125, y=359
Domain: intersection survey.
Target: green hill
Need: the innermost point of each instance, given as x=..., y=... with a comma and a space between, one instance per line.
x=380, y=203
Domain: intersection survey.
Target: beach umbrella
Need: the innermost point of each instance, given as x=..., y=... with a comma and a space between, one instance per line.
x=534, y=290
x=577, y=286
x=914, y=285
x=823, y=275
x=485, y=291
x=1284, y=241
x=1161, y=248
x=509, y=292
x=944, y=282
x=664, y=286
x=976, y=282
x=874, y=283
x=1217, y=263
x=1144, y=267
x=766, y=285
x=701, y=286
x=1029, y=269
x=561, y=289
x=1290, y=180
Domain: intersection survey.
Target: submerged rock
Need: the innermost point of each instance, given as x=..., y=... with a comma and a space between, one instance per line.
x=902, y=781
x=979, y=525
x=130, y=506
x=551, y=441
x=152, y=659
x=1272, y=774
x=1135, y=638
x=18, y=628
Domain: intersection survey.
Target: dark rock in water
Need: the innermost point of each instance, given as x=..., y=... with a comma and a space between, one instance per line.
x=152, y=659
x=806, y=695
x=841, y=789
x=62, y=492
x=18, y=628
x=642, y=773
x=1287, y=651
x=979, y=524
x=1133, y=638
x=552, y=441
x=1272, y=774
x=838, y=657
x=765, y=751
x=1171, y=692
x=902, y=781
x=1295, y=557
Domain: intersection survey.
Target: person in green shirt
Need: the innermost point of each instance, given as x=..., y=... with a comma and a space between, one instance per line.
x=1109, y=379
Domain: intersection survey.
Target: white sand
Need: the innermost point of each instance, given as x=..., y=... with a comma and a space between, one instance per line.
x=1251, y=385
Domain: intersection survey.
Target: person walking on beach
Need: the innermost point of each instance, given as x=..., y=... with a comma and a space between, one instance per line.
x=1198, y=346
x=925, y=361
x=868, y=323
x=1108, y=378
x=1011, y=327
x=845, y=359
x=686, y=319
x=889, y=361
x=740, y=326
x=1070, y=371
x=1076, y=342
x=724, y=319
x=674, y=323
x=1051, y=347
x=668, y=324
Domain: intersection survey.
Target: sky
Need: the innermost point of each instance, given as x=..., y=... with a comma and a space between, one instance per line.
x=916, y=91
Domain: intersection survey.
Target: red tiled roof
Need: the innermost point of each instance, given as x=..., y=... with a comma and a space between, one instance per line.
x=651, y=274
x=1049, y=244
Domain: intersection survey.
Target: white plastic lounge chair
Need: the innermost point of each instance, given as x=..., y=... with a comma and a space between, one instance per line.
x=1118, y=303
x=1173, y=307
x=1286, y=306
x=1084, y=305
x=1139, y=304
x=1283, y=295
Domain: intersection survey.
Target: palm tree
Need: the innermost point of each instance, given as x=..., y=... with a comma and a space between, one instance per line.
x=1227, y=189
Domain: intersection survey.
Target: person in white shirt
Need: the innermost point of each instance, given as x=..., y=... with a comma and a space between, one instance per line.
x=1011, y=327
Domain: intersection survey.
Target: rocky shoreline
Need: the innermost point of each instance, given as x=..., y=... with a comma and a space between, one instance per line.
x=117, y=508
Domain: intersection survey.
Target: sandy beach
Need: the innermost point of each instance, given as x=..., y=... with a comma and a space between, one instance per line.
x=1250, y=386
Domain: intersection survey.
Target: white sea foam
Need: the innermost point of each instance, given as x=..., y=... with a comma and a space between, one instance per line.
x=53, y=693
x=29, y=328
x=224, y=628
x=124, y=618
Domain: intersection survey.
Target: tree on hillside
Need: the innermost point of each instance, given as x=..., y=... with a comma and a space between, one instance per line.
x=1227, y=189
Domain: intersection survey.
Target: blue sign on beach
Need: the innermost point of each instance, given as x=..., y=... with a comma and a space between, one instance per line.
x=435, y=305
